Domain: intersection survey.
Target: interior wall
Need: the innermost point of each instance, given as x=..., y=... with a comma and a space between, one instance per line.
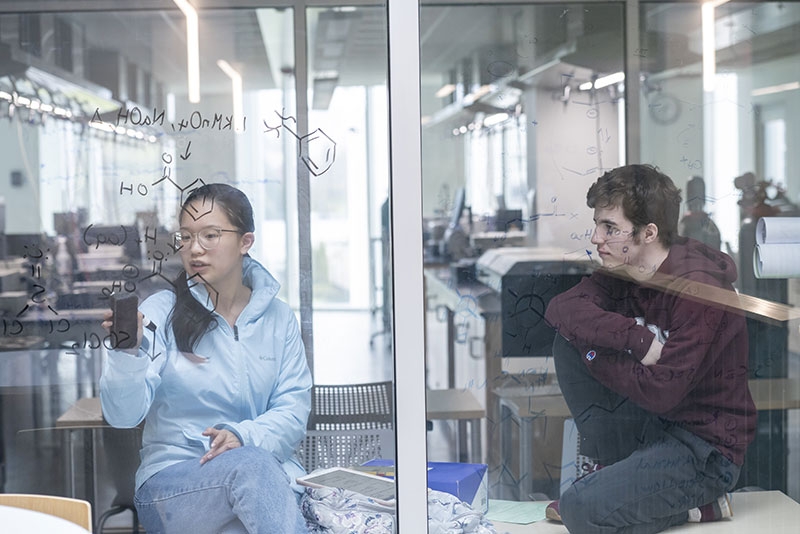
x=582, y=140
x=22, y=155
x=443, y=169
x=770, y=74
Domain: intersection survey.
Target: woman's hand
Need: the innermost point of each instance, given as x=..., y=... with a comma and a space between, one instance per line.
x=108, y=322
x=221, y=441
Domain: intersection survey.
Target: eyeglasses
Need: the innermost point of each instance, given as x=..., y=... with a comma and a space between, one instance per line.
x=207, y=237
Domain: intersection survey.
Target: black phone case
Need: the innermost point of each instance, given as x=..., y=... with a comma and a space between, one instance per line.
x=125, y=321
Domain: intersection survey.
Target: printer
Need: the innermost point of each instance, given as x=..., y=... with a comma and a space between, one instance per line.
x=526, y=279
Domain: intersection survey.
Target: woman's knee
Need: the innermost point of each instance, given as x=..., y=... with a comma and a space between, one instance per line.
x=258, y=463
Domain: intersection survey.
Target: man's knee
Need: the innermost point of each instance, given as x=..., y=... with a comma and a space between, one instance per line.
x=579, y=507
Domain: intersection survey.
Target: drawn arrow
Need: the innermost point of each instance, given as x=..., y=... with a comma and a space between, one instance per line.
x=187, y=152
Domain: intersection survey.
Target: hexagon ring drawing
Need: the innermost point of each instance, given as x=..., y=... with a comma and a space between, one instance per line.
x=317, y=152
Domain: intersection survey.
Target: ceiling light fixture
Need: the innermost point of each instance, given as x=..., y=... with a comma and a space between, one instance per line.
x=611, y=79
x=709, y=40
x=497, y=118
x=236, y=89
x=772, y=89
x=192, y=49
x=603, y=81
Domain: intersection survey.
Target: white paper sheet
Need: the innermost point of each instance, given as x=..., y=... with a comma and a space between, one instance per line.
x=777, y=261
x=774, y=230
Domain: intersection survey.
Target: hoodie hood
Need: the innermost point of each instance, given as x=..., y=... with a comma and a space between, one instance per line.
x=688, y=257
x=263, y=285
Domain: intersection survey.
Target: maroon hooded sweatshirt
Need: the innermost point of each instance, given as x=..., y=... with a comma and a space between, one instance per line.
x=700, y=381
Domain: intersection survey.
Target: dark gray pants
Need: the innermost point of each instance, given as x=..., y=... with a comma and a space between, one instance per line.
x=654, y=470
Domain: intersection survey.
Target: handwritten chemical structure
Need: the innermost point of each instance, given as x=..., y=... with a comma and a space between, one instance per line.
x=316, y=150
x=38, y=299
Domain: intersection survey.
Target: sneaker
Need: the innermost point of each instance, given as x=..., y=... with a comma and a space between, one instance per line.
x=551, y=512
x=720, y=508
x=587, y=468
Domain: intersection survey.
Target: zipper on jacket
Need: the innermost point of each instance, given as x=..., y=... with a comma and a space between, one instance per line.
x=236, y=332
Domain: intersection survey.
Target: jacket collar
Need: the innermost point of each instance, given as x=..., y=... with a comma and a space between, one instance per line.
x=263, y=285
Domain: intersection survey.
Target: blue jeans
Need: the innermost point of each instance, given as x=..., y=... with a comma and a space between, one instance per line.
x=655, y=471
x=241, y=490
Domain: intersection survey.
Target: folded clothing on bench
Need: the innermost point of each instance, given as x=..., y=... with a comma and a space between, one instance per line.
x=339, y=511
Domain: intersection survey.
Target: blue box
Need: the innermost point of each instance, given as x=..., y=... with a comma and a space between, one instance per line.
x=468, y=482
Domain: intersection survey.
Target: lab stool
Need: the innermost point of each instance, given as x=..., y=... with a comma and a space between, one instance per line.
x=462, y=406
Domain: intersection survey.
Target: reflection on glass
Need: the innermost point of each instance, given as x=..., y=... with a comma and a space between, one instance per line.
x=105, y=137
x=347, y=73
x=522, y=111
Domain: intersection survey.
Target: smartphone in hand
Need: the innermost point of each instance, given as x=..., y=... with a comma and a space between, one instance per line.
x=125, y=322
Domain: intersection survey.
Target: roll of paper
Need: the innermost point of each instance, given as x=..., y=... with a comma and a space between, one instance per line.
x=773, y=230
x=781, y=260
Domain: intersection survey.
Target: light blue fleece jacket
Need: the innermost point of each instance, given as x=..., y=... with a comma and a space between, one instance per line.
x=255, y=382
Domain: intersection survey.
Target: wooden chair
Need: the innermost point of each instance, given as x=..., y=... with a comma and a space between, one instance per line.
x=74, y=510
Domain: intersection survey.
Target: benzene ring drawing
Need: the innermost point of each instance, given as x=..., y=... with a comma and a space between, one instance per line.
x=317, y=152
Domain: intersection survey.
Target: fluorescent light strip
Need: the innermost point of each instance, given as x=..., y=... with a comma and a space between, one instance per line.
x=603, y=81
x=709, y=43
x=101, y=126
x=611, y=79
x=192, y=49
x=119, y=130
x=236, y=88
x=497, y=118
x=772, y=89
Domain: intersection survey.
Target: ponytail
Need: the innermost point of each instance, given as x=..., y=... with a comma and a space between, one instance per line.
x=189, y=319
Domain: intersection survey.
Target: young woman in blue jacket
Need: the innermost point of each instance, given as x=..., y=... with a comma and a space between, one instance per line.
x=220, y=378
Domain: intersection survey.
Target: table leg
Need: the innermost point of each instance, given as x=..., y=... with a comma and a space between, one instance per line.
x=475, y=439
x=505, y=448
x=69, y=463
x=463, y=451
x=525, y=455
x=89, y=464
x=451, y=349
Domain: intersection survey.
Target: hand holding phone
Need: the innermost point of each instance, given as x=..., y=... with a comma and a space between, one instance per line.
x=125, y=320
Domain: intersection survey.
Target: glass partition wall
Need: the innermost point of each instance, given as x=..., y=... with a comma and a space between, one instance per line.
x=325, y=114
x=112, y=114
x=524, y=106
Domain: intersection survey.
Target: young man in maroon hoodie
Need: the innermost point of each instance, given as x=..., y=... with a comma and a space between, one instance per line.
x=651, y=358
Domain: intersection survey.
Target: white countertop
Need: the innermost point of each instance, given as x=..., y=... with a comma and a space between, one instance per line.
x=760, y=511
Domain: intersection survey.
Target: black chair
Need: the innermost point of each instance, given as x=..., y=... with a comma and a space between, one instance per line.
x=349, y=424
x=344, y=448
x=352, y=406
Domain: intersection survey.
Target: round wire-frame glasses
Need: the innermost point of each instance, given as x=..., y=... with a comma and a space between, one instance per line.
x=207, y=237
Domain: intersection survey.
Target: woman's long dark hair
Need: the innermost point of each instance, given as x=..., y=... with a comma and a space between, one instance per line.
x=189, y=318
